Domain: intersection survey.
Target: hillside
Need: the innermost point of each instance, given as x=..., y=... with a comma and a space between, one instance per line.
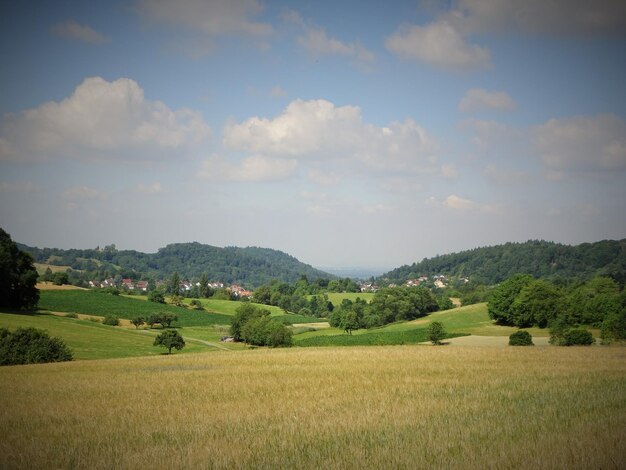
x=490, y=265
x=251, y=266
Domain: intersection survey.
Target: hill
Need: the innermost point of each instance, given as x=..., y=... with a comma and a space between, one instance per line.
x=490, y=265
x=250, y=266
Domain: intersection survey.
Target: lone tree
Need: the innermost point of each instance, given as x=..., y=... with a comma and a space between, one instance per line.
x=138, y=321
x=170, y=339
x=436, y=332
x=18, y=276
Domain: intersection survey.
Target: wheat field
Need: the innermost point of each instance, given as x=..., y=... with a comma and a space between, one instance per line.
x=361, y=407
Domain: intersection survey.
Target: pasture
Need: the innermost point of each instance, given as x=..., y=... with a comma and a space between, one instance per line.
x=361, y=407
x=92, y=340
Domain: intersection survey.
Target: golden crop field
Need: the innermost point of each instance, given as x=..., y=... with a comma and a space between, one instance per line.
x=360, y=407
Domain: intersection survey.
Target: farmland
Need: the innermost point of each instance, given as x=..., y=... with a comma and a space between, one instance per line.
x=361, y=407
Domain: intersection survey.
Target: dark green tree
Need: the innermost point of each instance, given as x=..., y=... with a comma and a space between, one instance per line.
x=18, y=276
x=538, y=303
x=521, y=338
x=170, y=339
x=173, y=287
x=504, y=295
x=436, y=332
x=156, y=296
x=137, y=321
x=31, y=346
x=203, y=288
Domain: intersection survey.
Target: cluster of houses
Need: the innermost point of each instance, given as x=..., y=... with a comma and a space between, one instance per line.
x=185, y=286
x=439, y=281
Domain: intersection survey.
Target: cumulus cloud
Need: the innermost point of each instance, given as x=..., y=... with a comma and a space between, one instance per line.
x=101, y=120
x=556, y=17
x=317, y=130
x=478, y=99
x=253, y=169
x=438, y=44
x=78, y=32
x=215, y=17
x=582, y=143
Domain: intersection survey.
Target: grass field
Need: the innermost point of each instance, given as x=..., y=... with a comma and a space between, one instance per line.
x=337, y=297
x=90, y=340
x=362, y=407
x=102, y=304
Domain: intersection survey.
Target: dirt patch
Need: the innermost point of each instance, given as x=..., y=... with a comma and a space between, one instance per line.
x=50, y=286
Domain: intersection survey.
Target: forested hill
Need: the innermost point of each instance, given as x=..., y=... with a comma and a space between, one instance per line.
x=249, y=266
x=490, y=265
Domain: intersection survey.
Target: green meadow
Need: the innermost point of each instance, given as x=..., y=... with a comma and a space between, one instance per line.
x=91, y=340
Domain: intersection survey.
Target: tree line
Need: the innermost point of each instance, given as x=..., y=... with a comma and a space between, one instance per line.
x=540, y=259
x=524, y=301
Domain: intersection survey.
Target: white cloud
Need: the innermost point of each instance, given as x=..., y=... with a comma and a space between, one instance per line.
x=253, y=169
x=461, y=204
x=215, y=17
x=538, y=16
x=104, y=121
x=154, y=188
x=317, y=130
x=455, y=202
x=582, y=143
x=318, y=43
x=478, y=99
x=78, y=32
x=438, y=44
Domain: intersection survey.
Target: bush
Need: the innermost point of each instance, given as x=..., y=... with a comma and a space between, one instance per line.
x=71, y=315
x=111, y=320
x=436, y=332
x=577, y=337
x=521, y=338
x=614, y=327
x=156, y=296
x=196, y=304
x=31, y=346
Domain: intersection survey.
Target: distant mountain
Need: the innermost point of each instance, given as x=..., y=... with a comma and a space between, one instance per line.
x=490, y=265
x=251, y=266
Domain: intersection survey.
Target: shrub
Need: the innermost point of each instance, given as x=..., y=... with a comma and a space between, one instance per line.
x=577, y=337
x=31, y=346
x=436, y=332
x=111, y=320
x=156, y=296
x=196, y=304
x=614, y=327
x=71, y=315
x=521, y=338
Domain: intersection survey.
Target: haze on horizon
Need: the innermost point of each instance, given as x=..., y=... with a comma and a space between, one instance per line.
x=346, y=134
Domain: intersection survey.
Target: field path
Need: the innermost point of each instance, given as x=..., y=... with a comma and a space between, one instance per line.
x=499, y=341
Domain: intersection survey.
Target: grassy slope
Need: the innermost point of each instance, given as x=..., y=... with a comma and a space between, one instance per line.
x=363, y=407
x=101, y=304
x=89, y=340
x=337, y=297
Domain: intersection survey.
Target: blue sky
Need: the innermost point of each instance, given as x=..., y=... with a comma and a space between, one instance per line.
x=369, y=134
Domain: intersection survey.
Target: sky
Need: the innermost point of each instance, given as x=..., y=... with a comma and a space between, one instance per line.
x=347, y=134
